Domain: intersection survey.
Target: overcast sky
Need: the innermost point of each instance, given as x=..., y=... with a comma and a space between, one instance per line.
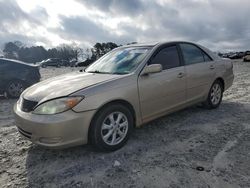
x=217, y=24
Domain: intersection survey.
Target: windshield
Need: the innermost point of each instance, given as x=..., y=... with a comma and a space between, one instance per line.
x=121, y=61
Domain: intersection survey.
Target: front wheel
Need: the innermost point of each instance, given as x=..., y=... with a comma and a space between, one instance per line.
x=111, y=127
x=215, y=95
x=15, y=88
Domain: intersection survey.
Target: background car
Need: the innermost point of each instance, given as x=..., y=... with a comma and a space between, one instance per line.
x=83, y=63
x=234, y=56
x=15, y=76
x=247, y=56
x=55, y=62
x=241, y=55
x=65, y=63
x=72, y=63
x=237, y=55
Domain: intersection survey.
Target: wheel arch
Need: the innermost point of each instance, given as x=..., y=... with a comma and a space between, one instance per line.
x=116, y=101
x=221, y=80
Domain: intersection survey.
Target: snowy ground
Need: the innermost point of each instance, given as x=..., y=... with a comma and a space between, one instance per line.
x=190, y=148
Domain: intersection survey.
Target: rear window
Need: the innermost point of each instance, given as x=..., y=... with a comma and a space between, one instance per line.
x=206, y=57
x=192, y=54
x=2, y=63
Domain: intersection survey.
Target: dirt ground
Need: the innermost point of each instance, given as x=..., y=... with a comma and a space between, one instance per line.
x=194, y=147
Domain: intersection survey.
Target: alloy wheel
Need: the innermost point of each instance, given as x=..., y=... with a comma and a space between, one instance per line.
x=15, y=89
x=114, y=128
x=216, y=92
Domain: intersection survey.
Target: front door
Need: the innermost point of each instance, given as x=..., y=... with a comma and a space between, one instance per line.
x=160, y=92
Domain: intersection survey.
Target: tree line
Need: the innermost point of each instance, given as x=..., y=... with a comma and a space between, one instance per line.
x=17, y=50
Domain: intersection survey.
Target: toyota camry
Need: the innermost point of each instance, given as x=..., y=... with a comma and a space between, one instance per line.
x=124, y=89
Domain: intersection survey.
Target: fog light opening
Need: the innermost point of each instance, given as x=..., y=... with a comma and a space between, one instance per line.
x=48, y=140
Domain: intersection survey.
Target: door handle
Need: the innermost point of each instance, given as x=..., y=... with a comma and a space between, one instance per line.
x=211, y=67
x=180, y=75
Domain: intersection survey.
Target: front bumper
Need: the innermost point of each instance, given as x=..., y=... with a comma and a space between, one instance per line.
x=55, y=131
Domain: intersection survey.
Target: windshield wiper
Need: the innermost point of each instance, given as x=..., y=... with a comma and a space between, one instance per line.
x=120, y=73
x=98, y=72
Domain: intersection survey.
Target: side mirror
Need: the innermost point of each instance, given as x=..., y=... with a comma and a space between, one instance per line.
x=153, y=68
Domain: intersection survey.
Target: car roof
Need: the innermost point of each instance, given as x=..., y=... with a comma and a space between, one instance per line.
x=152, y=44
x=16, y=61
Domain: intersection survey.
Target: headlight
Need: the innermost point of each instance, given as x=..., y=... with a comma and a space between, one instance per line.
x=56, y=106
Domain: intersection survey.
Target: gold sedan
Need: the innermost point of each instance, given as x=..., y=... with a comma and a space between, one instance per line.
x=125, y=88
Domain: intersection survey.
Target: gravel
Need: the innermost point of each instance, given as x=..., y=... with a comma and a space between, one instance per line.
x=194, y=147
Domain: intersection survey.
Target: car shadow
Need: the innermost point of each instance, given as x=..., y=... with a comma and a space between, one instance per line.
x=74, y=166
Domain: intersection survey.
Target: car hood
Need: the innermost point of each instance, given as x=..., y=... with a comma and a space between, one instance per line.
x=65, y=85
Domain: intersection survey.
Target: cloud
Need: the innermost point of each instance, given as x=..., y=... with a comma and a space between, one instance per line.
x=217, y=24
x=220, y=25
x=11, y=13
x=14, y=22
x=116, y=7
x=83, y=29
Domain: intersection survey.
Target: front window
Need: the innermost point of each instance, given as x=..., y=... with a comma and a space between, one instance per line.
x=168, y=57
x=120, y=61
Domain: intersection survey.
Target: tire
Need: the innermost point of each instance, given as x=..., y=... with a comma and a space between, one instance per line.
x=15, y=88
x=214, y=96
x=106, y=135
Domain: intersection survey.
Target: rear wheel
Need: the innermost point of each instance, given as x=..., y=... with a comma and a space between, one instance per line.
x=215, y=95
x=15, y=88
x=111, y=127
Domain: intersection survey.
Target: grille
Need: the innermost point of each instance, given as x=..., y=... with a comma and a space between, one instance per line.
x=27, y=105
x=24, y=133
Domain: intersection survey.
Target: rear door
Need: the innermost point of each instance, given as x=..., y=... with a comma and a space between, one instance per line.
x=200, y=70
x=162, y=91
